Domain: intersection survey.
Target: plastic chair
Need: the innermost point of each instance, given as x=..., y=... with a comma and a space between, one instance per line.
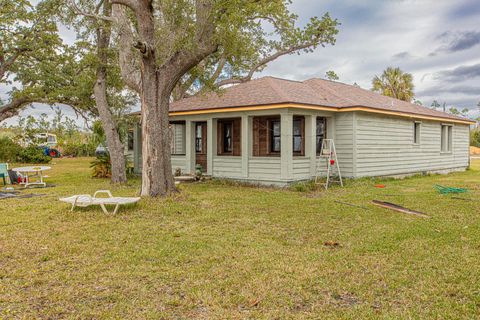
x=4, y=172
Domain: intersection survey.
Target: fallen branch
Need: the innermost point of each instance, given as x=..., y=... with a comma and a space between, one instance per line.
x=398, y=208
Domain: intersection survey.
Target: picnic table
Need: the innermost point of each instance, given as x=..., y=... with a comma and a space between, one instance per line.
x=32, y=171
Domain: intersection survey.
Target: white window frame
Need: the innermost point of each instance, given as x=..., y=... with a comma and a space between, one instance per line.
x=446, y=138
x=417, y=134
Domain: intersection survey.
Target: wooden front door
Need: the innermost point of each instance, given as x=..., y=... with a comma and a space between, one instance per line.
x=201, y=145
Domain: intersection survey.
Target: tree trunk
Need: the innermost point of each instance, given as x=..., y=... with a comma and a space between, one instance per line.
x=115, y=145
x=157, y=177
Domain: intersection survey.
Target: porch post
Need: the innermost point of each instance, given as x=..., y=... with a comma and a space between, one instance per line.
x=286, y=152
x=246, y=143
x=189, y=147
x=311, y=142
x=210, y=146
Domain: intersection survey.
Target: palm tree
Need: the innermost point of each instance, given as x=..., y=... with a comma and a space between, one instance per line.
x=394, y=83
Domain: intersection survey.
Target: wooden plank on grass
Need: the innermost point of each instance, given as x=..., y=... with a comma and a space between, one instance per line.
x=398, y=208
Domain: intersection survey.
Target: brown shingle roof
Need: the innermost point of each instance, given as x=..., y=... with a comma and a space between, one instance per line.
x=316, y=92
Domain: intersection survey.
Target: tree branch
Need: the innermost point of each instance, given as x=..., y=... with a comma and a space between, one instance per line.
x=6, y=64
x=264, y=62
x=132, y=4
x=129, y=67
x=90, y=15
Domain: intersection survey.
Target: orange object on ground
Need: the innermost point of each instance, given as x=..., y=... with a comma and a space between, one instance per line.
x=380, y=186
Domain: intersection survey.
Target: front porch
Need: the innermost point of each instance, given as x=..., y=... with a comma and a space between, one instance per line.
x=276, y=146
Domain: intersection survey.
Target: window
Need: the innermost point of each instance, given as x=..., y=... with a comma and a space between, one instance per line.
x=446, y=138
x=227, y=137
x=321, y=132
x=130, y=140
x=298, y=135
x=275, y=141
x=416, y=132
x=177, y=138
x=198, y=138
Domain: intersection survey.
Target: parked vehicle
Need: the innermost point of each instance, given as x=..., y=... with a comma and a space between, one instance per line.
x=101, y=150
x=45, y=141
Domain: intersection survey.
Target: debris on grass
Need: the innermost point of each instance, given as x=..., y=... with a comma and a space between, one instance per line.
x=331, y=244
x=345, y=300
x=254, y=303
x=380, y=186
x=447, y=190
x=351, y=205
x=398, y=208
x=11, y=195
x=460, y=198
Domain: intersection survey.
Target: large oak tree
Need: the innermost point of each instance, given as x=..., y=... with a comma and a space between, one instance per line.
x=185, y=47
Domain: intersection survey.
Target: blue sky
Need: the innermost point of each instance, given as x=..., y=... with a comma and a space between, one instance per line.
x=438, y=41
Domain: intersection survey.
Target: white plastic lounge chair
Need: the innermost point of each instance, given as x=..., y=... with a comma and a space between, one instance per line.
x=85, y=200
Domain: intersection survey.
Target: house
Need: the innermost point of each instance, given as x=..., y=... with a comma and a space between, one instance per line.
x=270, y=130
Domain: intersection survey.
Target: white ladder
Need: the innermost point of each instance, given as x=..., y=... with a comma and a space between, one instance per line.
x=327, y=165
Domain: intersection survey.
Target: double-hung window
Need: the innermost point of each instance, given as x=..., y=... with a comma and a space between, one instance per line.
x=199, y=138
x=446, y=138
x=416, y=132
x=321, y=132
x=275, y=133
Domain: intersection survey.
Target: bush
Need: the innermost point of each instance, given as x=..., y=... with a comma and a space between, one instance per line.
x=32, y=154
x=77, y=149
x=475, y=138
x=102, y=167
x=304, y=186
x=8, y=150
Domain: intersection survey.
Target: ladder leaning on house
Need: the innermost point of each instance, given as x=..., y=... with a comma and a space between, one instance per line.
x=327, y=165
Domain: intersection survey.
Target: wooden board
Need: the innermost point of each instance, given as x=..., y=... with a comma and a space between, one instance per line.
x=396, y=207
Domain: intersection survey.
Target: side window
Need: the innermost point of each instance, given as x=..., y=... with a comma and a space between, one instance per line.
x=130, y=140
x=416, y=132
x=321, y=132
x=198, y=138
x=446, y=138
x=298, y=135
x=177, y=138
x=227, y=137
x=275, y=132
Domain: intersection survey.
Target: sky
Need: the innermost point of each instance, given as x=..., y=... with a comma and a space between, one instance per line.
x=437, y=41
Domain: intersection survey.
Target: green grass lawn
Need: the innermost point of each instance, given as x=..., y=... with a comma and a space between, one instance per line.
x=217, y=251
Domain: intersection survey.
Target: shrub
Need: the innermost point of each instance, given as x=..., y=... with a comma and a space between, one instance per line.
x=101, y=167
x=475, y=138
x=32, y=154
x=304, y=186
x=78, y=149
x=8, y=150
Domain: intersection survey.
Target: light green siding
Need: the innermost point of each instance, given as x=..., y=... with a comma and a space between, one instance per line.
x=367, y=145
x=385, y=146
x=344, y=142
x=227, y=167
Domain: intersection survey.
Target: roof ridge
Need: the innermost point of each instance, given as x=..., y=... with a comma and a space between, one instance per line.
x=333, y=92
x=277, y=90
x=282, y=79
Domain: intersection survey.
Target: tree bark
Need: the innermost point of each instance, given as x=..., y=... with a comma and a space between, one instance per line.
x=115, y=145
